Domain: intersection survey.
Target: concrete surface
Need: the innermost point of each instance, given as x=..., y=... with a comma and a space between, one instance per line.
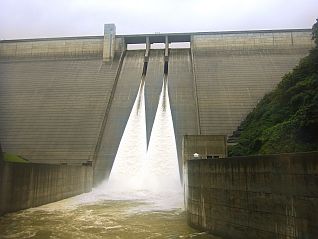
x=230, y=83
x=253, y=40
x=122, y=103
x=55, y=93
x=182, y=97
x=153, y=86
x=269, y=196
x=206, y=146
x=51, y=110
x=64, y=47
x=25, y=185
x=109, y=42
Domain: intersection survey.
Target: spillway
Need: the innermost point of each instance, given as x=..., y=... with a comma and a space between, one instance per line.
x=152, y=174
x=127, y=168
x=162, y=170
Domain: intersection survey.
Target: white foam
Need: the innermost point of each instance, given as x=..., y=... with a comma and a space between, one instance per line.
x=150, y=176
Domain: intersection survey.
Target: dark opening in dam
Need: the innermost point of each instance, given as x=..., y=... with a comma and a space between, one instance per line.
x=166, y=68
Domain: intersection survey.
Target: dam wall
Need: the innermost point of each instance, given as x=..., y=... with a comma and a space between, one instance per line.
x=26, y=185
x=233, y=71
x=65, y=47
x=253, y=40
x=268, y=196
x=182, y=97
x=66, y=100
x=51, y=110
x=153, y=86
x=122, y=103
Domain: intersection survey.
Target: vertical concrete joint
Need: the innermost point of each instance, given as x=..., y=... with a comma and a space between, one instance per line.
x=109, y=42
x=166, y=48
x=192, y=47
x=2, y=181
x=147, y=47
x=1, y=156
x=124, y=45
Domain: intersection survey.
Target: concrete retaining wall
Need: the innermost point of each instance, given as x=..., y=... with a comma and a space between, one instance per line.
x=273, y=196
x=24, y=185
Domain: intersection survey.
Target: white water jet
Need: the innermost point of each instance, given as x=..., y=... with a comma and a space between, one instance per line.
x=127, y=168
x=161, y=171
x=138, y=174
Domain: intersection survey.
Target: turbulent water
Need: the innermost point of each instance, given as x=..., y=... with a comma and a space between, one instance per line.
x=161, y=168
x=131, y=154
x=154, y=170
x=142, y=199
x=104, y=218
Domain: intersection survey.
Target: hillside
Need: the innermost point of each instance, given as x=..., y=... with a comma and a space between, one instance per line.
x=286, y=119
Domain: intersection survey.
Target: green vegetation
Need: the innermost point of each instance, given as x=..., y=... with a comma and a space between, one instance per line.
x=286, y=119
x=12, y=158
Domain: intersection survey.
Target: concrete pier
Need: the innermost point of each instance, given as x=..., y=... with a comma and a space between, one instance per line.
x=109, y=42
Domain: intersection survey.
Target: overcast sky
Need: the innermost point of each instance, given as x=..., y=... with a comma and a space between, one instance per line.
x=56, y=18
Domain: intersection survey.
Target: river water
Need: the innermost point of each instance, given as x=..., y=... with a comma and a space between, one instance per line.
x=104, y=218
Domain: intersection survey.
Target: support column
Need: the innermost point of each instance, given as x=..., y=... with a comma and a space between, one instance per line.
x=109, y=42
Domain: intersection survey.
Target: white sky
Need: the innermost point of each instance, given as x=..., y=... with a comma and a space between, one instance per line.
x=56, y=18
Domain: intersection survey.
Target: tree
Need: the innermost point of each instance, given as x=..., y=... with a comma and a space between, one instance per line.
x=286, y=119
x=315, y=32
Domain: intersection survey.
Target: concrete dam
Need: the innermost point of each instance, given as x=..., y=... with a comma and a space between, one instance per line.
x=67, y=100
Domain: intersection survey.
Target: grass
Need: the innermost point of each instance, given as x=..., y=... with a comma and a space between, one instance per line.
x=12, y=158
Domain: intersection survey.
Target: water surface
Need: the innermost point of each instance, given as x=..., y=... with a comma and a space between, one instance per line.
x=101, y=219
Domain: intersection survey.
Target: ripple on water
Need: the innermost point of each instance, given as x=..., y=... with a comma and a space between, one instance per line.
x=109, y=219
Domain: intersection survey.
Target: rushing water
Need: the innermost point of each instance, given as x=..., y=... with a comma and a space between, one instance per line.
x=142, y=199
x=154, y=170
x=101, y=219
x=126, y=174
x=161, y=168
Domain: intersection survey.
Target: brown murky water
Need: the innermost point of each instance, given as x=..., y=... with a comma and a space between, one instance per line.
x=100, y=219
